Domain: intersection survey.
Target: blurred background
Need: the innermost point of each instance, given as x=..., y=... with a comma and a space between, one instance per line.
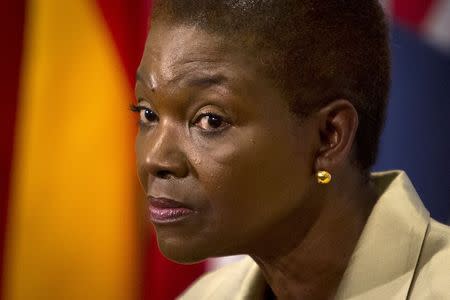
x=70, y=211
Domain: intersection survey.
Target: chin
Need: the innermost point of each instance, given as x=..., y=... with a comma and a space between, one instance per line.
x=192, y=246
x=182, y=252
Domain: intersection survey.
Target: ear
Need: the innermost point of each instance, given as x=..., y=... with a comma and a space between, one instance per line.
x=338, y=122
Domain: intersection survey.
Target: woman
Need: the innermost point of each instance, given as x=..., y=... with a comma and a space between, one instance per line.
x=259, y=122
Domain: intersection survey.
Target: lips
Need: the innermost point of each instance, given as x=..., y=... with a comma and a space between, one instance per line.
x=164, y=210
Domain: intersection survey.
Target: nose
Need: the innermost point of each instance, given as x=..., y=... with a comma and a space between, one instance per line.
x=163, y=155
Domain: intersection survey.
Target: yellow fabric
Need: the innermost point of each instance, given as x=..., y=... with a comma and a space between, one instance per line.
x=71, y=232
x=402, y=254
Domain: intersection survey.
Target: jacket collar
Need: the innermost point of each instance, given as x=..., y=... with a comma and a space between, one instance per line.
x=386, y=255
x=387, y=252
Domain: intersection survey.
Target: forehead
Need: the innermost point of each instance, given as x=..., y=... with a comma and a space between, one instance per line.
x=175, y=51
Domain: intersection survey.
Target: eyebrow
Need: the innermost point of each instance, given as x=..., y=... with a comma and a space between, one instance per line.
x=140, y=78
x=196, y=80
x=206, y=80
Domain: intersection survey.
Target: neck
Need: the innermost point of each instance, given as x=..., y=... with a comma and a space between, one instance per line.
x=312, y=251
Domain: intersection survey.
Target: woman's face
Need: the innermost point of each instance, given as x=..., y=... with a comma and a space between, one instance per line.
x=220, y=157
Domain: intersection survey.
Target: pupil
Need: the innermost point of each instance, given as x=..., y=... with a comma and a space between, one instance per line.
x=214, y=121
x=149, y=115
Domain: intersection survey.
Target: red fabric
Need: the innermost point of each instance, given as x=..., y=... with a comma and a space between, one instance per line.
x=411, y=12
x=12, y=14
x=166, y=280
x=128, y=24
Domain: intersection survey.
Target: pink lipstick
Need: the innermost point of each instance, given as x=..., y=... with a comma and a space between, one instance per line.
x=163, y=210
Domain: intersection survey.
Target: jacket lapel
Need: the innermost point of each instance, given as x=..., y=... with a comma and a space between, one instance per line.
x=385, y=258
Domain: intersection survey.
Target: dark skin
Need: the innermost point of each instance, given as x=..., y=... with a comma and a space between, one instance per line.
x=218, y=136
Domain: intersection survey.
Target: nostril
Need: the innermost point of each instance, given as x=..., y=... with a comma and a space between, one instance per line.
x=164, y=174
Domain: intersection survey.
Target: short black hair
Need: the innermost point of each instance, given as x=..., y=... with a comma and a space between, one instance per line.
x=317, y=51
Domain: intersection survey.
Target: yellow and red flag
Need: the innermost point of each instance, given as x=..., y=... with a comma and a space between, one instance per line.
x=69, y=196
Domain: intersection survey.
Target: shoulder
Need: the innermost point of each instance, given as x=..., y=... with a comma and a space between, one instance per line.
x=433, y=268
x=221, y=283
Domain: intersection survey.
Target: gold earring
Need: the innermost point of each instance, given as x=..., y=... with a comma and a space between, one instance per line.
x=323, y=177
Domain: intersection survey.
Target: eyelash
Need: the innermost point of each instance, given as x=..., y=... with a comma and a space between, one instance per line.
x=135, y=108
x=138, y=108
x=215, y=130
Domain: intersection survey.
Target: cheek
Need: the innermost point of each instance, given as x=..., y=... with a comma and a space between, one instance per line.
x=139, y=160
x=141, y=148
x=253, y=180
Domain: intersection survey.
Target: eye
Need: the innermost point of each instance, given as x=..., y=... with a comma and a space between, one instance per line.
x=146, y=115
x=210, y=122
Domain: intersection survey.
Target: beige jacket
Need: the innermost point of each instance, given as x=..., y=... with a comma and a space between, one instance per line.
x=402, y=254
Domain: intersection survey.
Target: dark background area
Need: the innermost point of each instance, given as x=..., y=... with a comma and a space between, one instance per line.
x=417, y=132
